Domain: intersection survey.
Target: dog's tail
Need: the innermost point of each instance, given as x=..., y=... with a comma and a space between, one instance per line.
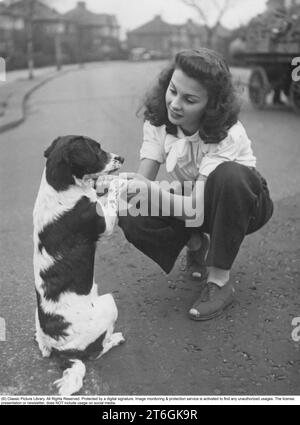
x=72, y=379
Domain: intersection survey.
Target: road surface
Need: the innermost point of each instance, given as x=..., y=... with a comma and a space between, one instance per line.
x=249, y=350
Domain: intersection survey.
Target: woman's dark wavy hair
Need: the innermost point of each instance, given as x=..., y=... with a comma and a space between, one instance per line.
x=210, y=69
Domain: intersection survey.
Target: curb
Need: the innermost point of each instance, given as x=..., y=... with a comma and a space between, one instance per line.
x=20, y=99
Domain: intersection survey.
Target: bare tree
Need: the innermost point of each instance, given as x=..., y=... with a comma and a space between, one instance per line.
x=210, y=14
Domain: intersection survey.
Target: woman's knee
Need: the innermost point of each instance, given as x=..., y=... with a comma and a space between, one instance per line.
x=234, y=178
x=228, y=172
x=234, y=185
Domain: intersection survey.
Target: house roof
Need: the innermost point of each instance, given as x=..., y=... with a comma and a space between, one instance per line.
x=4, y=10
x=41, y=12
x=85, y=17
x=156, y=25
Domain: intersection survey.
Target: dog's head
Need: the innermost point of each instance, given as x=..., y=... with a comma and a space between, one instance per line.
x=77, y=156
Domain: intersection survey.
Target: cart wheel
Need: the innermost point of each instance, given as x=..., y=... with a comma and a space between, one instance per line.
x=259, y=87
x=295, y=96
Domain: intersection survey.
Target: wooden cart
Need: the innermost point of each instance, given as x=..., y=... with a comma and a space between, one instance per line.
x=273, y=41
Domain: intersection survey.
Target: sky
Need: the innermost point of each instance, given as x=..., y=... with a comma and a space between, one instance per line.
x=133, y=13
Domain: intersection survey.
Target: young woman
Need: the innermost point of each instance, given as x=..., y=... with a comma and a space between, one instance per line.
x=191, y=125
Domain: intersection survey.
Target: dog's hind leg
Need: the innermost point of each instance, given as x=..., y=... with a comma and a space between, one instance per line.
x=107, y=316
x=45, y=350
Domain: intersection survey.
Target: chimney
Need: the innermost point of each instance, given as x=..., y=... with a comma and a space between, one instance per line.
x=81, y=4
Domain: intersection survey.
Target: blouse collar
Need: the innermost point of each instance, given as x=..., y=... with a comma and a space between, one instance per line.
x=179, y=149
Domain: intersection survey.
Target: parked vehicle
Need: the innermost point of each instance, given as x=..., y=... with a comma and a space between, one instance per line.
x=142, y=54
x=272, y=42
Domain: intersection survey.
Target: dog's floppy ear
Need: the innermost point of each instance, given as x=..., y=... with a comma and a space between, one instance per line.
x=51, y=147
x=58, y=169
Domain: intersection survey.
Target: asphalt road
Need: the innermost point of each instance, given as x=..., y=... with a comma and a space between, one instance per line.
x=248, y=351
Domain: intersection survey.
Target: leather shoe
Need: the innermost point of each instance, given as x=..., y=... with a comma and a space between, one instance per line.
x=213, y=301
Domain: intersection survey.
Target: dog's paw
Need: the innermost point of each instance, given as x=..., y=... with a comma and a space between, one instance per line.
x=72, y=379
x=117, y=186
x=66, y=388
x=46, y=352
x=103, y=183
x=117, y=338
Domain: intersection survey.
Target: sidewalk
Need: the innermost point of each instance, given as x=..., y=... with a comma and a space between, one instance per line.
x=17, y=89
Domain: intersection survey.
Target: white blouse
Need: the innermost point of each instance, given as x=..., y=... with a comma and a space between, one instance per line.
x=188, y=156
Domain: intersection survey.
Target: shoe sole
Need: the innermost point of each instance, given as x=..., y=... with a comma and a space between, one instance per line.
x=198, y=279
x=212, y=316
x=188, y=274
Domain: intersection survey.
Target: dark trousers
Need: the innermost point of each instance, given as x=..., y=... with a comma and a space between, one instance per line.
x=236, y=203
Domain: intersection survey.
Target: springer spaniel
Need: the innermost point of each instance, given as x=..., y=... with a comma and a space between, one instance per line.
x=72, y=321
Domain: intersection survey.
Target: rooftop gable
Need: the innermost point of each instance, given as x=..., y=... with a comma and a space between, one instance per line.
x=82, y=16
x=40, y=11
x=156, y=25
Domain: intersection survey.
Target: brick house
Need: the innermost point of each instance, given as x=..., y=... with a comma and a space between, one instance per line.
x=42, y=25
x=166, y=38
x=10, y=22
x=97, y=34
x=40, y=14
x=76, y=36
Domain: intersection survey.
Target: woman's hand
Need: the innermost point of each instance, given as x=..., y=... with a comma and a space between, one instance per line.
x=136, y=177
x=137, y=185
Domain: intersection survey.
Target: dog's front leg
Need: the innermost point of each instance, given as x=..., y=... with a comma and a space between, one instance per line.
x=109, y=209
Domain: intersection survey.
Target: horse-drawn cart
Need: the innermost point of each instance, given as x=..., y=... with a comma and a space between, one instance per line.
x=272, y=44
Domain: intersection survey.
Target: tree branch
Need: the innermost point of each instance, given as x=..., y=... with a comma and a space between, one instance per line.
x=220, y=8
x=196, y=5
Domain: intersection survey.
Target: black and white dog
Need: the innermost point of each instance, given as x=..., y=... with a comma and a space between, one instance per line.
x=71, y=319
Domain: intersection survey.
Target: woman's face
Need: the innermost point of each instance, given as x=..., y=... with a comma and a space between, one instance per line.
x=186, y=100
